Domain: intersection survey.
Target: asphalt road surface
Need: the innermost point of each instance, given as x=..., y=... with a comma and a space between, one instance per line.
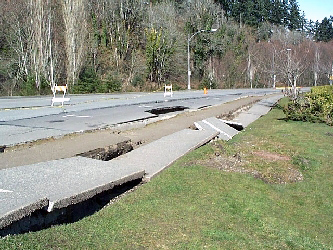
x=26, y=119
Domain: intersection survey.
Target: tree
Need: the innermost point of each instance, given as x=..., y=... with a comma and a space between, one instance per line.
x=29, y=37
x=43, y=58
x=316, y=65
x=165, y=18
x=203, y=15
x=293, y=61
x=324, y=30
x=295, y=19
x=277, y=13
x=158, y=53
x=75, y=33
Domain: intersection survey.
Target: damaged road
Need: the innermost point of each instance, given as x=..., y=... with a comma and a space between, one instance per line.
x=138, y=132
x=36, y=194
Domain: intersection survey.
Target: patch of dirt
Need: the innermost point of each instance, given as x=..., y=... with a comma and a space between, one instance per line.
x=271, y=156
x=238, y=164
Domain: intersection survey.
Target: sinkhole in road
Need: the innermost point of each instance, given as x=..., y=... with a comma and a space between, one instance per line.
x=165, y=110
x=110, y=152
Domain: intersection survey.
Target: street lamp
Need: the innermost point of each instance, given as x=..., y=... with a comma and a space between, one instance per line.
x=289, y=64
x=188, y=55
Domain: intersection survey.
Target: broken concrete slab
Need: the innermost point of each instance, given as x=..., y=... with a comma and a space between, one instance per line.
x=225, y=131
x=57, y=184
x=156, y=156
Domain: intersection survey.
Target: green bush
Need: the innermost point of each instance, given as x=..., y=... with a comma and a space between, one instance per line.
x=89, y=82
x=315, y=106
x=208, y=83
x=28, y=87
x=138, y=81
x=113, y=84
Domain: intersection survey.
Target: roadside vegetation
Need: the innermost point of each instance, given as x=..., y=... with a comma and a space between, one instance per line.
x=315, y=106
x=269, y=187
x=103, y=46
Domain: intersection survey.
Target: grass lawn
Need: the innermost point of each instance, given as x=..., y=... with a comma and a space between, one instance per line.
x=276, y=192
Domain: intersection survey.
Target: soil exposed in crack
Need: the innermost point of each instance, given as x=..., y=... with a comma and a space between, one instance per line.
x=110, y=152
x=72, y=145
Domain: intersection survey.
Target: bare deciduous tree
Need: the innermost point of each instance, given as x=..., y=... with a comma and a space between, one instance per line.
x=75, y=19
x=42, y=44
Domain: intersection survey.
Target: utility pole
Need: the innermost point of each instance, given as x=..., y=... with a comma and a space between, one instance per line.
x=331, y=77
x=273, y=70
x=189, y=38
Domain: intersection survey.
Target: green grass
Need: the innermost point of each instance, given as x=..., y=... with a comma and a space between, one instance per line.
x=191, y=206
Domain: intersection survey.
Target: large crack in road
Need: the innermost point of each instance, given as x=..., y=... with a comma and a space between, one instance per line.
x=139, y=133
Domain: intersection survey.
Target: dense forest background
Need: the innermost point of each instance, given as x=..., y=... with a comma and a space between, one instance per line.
x=139, y=45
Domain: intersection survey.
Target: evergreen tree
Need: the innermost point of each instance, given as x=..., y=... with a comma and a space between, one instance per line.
x=226, y=6
x=324, y=31
x=285, y=13
x=295, y=19
x=277, y=12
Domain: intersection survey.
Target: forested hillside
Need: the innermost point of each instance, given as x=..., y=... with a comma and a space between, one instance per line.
x=137, y=45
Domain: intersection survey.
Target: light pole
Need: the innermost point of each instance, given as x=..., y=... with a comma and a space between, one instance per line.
x=331, y=77
x=273, y=69
x=188, y=55
x=289, y=64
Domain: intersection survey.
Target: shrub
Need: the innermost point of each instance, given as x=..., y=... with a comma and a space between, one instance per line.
x=87, y=83
x=208, y=83
x=138, y=81
x=315, y=106
x=113, y=84
x=28, y=87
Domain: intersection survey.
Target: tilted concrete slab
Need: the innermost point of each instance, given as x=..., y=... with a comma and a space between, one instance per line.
x=225, y=131
x=56, y=184
x=213, y=121
x=158, y=155
x=61, y=183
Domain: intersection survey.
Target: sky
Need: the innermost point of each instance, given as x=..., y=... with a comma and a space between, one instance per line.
x=316, y=9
